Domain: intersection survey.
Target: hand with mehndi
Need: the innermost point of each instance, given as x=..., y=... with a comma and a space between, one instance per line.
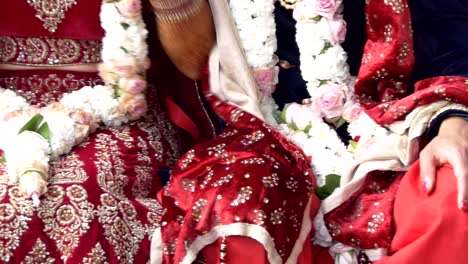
x=449, y=146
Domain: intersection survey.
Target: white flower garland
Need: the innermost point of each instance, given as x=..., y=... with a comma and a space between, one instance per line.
x=257, y=31
x=31, y=137
x=320, y=29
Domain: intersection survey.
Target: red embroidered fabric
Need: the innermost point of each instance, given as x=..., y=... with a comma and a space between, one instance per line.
x=100, y=206
x=48, y=51
x=36, y=18
x=387, y=63
x=365, y=221
x=250, y=176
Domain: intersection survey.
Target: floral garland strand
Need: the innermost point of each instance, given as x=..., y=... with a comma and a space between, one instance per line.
x=32, y=136
x=320, y=29
x=255, y=22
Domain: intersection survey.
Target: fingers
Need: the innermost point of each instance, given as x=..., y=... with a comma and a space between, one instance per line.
x=461, y=172
x=428, y=165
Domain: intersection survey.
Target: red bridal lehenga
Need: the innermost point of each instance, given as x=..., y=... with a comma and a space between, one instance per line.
x=248, y=196
x=101, y=205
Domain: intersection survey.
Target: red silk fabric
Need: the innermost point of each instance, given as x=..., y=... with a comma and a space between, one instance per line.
x=387, y=63
x=250, y=174
x=18, y=18
x=100, y=205
x=429, y=228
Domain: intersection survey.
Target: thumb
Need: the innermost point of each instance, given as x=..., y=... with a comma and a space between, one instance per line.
x=427, y=164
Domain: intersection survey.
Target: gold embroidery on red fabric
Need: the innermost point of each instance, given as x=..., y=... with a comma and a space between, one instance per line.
x=207, y=179
x=258, y=161
x=403, y=53
x=38, y=255
x=277, y=216
x=116, y=213
x=388, y=33
x=51, y=12
x=189, y=157
x=96, y=256
x=396, y=5
x=66, y=214
x=253, y=138
x=14, y=219
x=197, y=209
x=229, y=133
x=243, y=196
x=236, y=114
x=68, y=169
x=154, y=215
x=260, y=217
x=42, y=89
x=44, y=51
x=271, y=181
x=375, y=222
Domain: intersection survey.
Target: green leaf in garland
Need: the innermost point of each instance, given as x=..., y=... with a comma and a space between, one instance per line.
x=340, y=122
x=307, y=129
x=332, y=182
x=125, y=25
x=353, y=144
x=316, y=18
x=3, y=158
x=283, y=116
x=326, y=47
x=33, y=124
x=125, y=50
x=44, y=131
x=322, y=82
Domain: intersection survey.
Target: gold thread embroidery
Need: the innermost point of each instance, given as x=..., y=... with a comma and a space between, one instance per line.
x=64, y=222
x=51, y=12
x=42, y=89
x=116, y=213
x=14, y=219
x=44, y=51
x=38, y=255
x=69, y=169
x=96, y=256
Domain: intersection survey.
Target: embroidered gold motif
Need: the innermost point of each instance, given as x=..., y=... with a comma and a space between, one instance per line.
x=42, y=89
x=51, y=12
x=69, y=169
x=121, y=227
x=96, y=256
x=38, y=255
x=397, y=5
x=14, y=219
x=44, y=51
x=116, y=213
x=243, y=196
x=66, y=221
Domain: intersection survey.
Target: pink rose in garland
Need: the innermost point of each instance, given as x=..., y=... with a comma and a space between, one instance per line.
x=266, y=78
x=135, y=105
x=352, y=111
x=327, y=8
x=134, y=85
x=337, y=29
x=330, y=98
x=130, y=8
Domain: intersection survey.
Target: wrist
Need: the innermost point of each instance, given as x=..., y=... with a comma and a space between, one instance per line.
x=453, y=125
x=176, y=10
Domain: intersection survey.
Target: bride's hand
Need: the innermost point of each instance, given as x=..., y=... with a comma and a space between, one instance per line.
x=449, y=146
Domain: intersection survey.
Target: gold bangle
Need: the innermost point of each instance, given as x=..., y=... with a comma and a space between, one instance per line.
x=172, y=11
